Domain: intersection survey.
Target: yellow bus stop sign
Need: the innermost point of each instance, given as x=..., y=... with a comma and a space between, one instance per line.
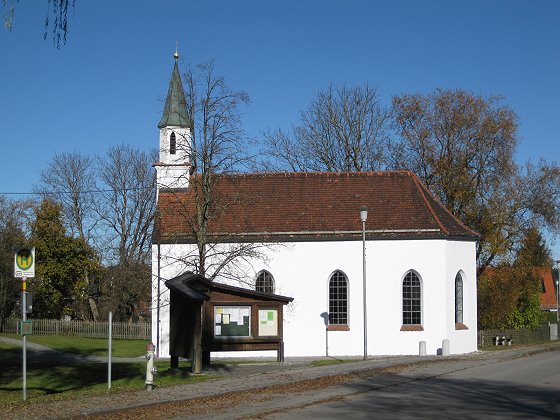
x=24, y=264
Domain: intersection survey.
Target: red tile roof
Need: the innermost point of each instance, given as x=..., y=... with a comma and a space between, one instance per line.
x=310, y=206
x=548, y=297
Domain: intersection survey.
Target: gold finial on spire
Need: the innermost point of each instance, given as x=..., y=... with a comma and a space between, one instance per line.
x=176, y=55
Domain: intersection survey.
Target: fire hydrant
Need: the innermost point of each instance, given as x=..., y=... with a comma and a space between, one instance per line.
x=151, y=370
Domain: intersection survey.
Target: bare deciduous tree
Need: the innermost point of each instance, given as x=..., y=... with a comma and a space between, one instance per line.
x=344, y=129
x=126, y=203
x=217, y=148
x=70, y=180
x=461, y=145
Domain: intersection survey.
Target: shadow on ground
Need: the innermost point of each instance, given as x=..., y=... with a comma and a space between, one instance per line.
x=395, y=396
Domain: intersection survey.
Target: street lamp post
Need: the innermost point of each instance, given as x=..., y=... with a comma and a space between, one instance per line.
x=363, y=217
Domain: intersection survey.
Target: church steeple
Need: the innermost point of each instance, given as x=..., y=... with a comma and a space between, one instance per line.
x=175, y=137
x=175, y=111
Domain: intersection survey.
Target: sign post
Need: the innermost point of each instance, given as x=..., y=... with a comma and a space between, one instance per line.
x=24, y=319
x=24, y=268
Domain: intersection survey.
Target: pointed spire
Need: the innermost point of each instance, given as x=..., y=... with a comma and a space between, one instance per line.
x=175, y=111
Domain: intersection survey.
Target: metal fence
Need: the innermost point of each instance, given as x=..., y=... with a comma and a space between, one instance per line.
x=522, y=336
x=90, y=329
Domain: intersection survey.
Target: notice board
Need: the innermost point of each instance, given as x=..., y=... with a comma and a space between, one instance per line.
x=232, y=321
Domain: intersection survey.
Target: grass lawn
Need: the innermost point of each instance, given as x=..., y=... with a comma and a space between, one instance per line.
x=331, y=361
x=48, y=380
x=87, y=346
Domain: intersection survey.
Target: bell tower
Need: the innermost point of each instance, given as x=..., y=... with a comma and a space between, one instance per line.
x=175, y=137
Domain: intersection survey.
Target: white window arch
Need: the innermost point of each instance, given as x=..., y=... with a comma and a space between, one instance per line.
x=411, y=299
x=264, y=282
x=338, y=298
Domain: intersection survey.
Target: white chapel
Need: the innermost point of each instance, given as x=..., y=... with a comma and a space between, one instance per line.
x=415, y=283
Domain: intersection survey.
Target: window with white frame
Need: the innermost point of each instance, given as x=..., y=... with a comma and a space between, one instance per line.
x=412, y=299
x=338, y=299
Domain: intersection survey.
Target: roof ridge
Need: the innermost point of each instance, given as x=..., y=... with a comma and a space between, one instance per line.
x=430, y=208
x=445, y=209
x=311, y=174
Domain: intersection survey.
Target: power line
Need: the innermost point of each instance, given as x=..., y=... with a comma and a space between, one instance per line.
x=70, y=192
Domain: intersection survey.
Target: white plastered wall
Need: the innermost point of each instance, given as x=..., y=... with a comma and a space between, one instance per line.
x=462, y=341
x=302, y=270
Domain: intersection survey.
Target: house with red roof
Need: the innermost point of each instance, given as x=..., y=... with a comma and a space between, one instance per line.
x=389, y=283
x=548, y=295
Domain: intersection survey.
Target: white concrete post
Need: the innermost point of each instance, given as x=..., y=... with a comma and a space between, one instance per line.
x=422, y=348
x=445, y=351
x=553, y=328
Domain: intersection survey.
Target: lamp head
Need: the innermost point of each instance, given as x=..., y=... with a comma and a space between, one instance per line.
x=363, y=213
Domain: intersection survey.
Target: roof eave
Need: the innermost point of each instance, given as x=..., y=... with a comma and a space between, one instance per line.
x=266, y=237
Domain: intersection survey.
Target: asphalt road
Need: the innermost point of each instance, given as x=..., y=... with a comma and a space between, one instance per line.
x=526, y=387
x=516, y=382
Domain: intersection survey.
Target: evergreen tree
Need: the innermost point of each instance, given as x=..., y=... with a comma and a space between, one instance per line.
x=11, y=238
x=508, y=298
x=533, y=251
x=62, y=264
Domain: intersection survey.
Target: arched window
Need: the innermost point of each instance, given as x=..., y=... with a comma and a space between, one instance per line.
x=172, y=144
x=264, y=282
x=338, y=299
x=458, y=299
x=412, y=299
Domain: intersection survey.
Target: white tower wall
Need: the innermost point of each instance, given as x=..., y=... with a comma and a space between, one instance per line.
x=173, y=169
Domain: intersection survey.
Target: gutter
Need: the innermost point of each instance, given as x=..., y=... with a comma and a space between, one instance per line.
x=325, y=232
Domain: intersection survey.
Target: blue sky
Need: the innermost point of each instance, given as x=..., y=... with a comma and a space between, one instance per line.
x=107, y=84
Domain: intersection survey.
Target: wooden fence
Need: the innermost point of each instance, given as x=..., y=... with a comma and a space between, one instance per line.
x=121, y=330
x=142, y=330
